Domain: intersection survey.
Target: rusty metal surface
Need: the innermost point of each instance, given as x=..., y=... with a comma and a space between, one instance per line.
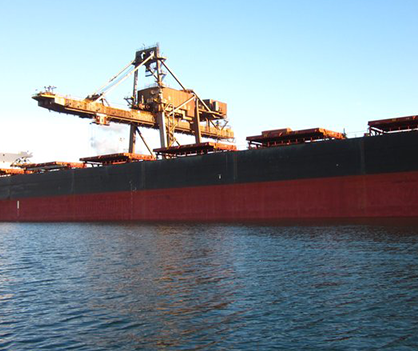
x=394, y=124
x=172, y=98
x=95, y=110
x=48, y=166
x=193, y=149
x=11, y=171
x=117, y=158
x=217, y=106
x=275, y=132
x=287, y=136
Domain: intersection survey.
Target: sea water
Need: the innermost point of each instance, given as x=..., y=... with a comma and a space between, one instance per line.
x=131, y=286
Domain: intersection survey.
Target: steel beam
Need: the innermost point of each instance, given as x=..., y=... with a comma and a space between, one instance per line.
x=162, y=128
x=132, y=138
x=196, y=124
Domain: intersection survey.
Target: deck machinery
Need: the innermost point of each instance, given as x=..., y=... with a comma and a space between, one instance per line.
x=159, y=107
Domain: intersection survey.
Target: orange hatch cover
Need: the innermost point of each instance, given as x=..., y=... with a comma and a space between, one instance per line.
x=48, y=166
x=194, y=149
x=394, y=124
x=11, y=171
x=117, y=158
x=287, y=136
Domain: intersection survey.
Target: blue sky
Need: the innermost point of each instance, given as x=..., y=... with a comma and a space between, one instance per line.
x=299, y=64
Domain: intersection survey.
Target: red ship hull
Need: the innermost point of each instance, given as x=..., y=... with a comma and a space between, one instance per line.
x=365, y=196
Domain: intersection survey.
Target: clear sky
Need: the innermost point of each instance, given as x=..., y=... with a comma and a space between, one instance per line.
x=297, y=63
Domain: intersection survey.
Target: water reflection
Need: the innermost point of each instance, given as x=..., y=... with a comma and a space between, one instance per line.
x=195, y=286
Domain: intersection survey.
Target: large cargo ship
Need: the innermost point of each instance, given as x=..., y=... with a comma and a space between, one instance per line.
x=284, y=174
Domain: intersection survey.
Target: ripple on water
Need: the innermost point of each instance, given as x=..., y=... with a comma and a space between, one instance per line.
x=190, y=286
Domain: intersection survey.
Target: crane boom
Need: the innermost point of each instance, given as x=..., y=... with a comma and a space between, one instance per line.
x=103, y=114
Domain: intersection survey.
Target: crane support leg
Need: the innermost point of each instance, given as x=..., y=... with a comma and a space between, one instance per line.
x=162, y=127
x=196, y=125
x=132, y=138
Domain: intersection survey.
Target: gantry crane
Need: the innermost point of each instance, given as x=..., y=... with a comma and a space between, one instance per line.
x=158, y=107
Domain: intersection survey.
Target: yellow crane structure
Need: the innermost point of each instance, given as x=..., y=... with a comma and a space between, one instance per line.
x=159, y=107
